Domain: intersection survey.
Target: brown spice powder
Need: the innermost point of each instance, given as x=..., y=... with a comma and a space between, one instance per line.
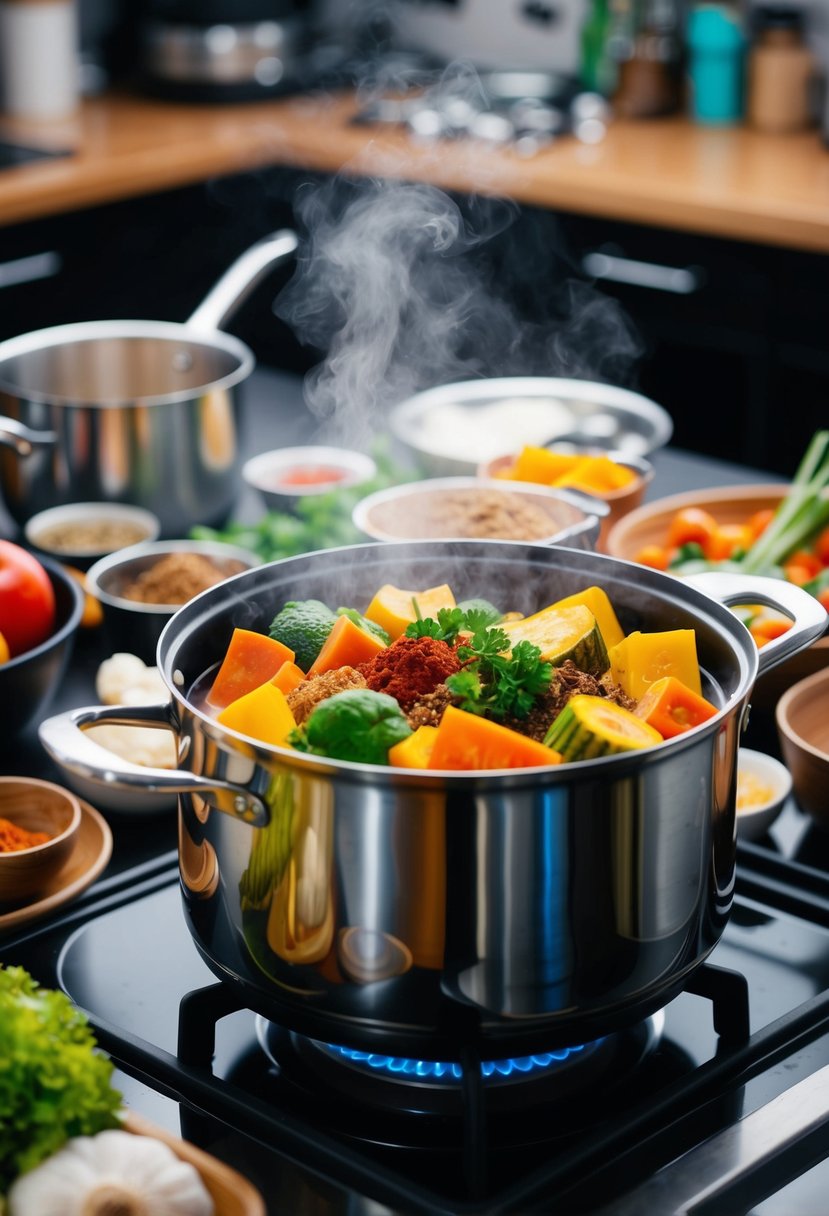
x=176, y=578
x=309, y=693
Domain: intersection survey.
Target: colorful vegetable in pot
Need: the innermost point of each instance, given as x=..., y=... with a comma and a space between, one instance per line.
x=464, y=741
x=357, y=724
x=643, y=658
x=251, y=659
x=393, y=608
x=563, y=633
x=589, y=727
x=671, y=707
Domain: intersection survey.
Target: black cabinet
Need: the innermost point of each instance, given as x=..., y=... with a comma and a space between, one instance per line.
x=729, y=337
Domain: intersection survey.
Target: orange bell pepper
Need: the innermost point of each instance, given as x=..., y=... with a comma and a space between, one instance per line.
x=671, y=707
x=416, y=751
x=347, y=645
x=654, y=556
x=767, y=628
x=251, y=659
x=691, y=525
x=465, y=741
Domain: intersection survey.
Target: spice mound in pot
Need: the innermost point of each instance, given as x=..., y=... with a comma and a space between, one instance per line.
x=13, y=839
x=476, y=514
x=177, y=577
x=410, y=668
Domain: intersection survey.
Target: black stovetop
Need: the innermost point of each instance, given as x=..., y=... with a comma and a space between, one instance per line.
x=123, y=953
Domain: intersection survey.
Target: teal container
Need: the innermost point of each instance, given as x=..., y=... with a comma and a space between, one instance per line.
x=716, y=58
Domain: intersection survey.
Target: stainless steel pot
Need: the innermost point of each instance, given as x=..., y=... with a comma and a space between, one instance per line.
x=517, y=910
x=144, y=412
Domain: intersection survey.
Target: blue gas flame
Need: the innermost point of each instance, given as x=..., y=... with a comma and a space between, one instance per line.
x=437, y=1070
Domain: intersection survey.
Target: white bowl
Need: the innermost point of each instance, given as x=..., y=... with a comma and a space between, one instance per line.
x=82, y=514
x=755, y=820
x=265, y=472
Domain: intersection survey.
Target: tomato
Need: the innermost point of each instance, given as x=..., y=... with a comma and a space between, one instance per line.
x=27, y=600
x=691, y=525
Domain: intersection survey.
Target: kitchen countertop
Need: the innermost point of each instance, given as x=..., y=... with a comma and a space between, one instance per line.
x=729, y=182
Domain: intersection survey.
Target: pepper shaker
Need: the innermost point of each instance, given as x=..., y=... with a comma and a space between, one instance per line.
x=39, y=58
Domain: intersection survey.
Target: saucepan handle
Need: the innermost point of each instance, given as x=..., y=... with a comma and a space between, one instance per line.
x=240, y=278
x=22, y=438
x=808, y=616
x=64, y=739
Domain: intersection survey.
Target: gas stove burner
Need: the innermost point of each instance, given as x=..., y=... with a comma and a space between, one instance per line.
x=381, y=1081
x=517, y=1067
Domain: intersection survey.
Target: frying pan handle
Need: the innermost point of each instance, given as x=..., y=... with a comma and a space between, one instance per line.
x=808, y=616
x=240, y=278
x=22, y=438
x=64, y=739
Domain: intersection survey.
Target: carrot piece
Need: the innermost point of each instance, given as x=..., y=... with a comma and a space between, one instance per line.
x=465, y=741
x=288, y=677
x=671, y=707
x=803, y=559
x=759, y=521
x=821, y=546
x=654, y=556
x=347, y=645
x=691, y=525
x=251, y=659
x=766, y=629
x=416, y=750
x=728, y=539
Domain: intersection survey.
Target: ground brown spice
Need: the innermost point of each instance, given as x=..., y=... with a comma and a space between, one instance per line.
x=490, y=514
x=428, y=709
x=309, y=693
x=176, y=578
x=567, y=681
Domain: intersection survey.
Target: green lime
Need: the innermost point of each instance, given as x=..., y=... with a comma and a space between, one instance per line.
x=303, y=626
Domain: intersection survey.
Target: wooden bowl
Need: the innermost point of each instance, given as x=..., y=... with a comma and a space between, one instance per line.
x=37, y=806
x=648, y=525
x=802, y=718
x=620, y=501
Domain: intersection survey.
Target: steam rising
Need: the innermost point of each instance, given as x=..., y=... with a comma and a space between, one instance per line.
x=401, y=288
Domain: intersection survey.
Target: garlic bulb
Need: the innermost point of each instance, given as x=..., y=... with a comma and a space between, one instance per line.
x=111, y=1174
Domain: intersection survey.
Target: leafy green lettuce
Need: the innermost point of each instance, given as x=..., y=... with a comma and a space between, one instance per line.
x=54, y=1083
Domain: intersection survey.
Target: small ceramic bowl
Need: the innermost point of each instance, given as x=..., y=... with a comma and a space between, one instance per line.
x=81, y=532
x=619, y=502
x=286, y=475
x=802, y=718
x=763, y=785
x=37, y=806
x=134, y=625
x=448, y=508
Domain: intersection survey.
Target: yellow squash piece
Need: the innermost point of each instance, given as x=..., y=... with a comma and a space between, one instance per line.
x=393, y=608
x=416, y=751
x=589, y=727
x=563, y=633
x=598, y=602
x=263, y=714
x=542, y=465
x=643, y=658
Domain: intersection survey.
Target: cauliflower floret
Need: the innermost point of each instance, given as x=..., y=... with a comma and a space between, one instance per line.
x=124, y=679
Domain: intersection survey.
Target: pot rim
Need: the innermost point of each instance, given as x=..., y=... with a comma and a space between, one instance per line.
x=90, y=331
x=192, y=616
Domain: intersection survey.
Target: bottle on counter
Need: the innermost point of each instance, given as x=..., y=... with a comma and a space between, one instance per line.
x=39, y=72
x=781, y=70
x=650, y=79
x=716, y=63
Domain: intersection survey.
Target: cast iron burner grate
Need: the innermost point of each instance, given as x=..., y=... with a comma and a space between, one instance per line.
x=422, y=1087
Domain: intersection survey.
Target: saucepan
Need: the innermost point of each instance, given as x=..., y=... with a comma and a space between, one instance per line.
x=144, y=412
x=391, y=909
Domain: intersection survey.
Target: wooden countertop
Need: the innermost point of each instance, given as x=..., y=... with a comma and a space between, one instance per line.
x=729, y=182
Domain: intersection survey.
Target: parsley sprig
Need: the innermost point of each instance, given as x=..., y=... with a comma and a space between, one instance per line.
x=493, y=682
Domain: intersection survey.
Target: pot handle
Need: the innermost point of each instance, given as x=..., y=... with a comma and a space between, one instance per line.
x=240, y=278
x=808, y=616
x=22, y=438
x=64, y=739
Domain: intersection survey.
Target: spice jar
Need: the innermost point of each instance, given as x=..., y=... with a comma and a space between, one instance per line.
x=780, y=72
x=39, y=58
